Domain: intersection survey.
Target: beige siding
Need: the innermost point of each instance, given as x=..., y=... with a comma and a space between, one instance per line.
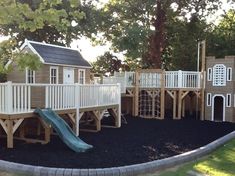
x=228, y=61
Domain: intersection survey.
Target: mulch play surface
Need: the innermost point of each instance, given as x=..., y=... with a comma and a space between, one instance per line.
x=139, y=141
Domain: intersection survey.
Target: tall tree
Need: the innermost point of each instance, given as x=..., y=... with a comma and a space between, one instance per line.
x=139, y=27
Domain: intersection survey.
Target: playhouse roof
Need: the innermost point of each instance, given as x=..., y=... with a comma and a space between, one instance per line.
x=58, y=55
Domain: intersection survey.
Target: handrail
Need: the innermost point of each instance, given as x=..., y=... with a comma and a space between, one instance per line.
x=22, y=98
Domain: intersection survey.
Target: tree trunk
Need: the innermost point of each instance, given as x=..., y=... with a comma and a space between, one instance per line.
x=157, y=40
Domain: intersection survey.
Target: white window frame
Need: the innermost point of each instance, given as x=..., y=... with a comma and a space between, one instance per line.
x=208, y=99
x=27, y=71
x=209, y=74
x=84, y=76
x=229, y=74
x=219, y=80
x=228, y=100
x=57, y=74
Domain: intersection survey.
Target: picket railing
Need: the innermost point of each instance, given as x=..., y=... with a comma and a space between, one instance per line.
x=172, y=79
x=21, y=98
x=99, y=95
x=116, y=80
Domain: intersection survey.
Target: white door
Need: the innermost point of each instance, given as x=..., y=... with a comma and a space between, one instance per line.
x=68, y=76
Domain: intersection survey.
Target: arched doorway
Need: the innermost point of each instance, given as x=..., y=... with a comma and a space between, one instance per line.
x=218, y=108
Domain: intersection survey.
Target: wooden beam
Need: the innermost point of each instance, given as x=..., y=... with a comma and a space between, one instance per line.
x=9, y=134
x=179, y=104
x=17, y=124
x=136, y=94
x=162, y=101
x=4, y=125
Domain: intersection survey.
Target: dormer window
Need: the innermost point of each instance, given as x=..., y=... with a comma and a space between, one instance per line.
x=219, y=75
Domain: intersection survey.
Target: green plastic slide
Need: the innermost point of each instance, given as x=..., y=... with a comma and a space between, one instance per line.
x=63, y=130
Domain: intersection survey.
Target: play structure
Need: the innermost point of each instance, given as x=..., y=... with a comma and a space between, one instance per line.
x=150, y=92
x=210, y=93
x=61, y=89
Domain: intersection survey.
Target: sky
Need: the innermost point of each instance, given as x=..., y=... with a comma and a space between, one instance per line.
x=90, y=52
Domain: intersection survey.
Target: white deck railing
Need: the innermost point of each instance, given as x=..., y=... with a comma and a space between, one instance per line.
x=172, y=79
x=21, y=98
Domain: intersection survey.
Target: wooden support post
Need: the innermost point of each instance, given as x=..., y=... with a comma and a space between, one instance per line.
x=174, y=104
x=179, y=104
x=47, y=131
x=203, y=80
x=9, y=134
x=136, y=96
x=162, y=95
x=183, y=107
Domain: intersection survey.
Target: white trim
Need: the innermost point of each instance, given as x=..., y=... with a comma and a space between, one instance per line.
x=75, y=66
x=234, y=100
x=229, y=74
x=212, y=109
x=208, y=99
x=84, y=71
x=228, y=100
x=27, y=43
x=219, y=80
x=57, y=74
x=26, y=76
x=209, y=74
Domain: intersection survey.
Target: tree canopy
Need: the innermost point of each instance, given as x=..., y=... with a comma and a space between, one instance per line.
x=150, y=29
x=55, y=21
x=222, y=37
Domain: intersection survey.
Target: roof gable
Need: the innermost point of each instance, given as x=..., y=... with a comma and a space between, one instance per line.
x=54, y=54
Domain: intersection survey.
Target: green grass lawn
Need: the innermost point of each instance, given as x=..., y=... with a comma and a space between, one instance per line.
x=219, y=163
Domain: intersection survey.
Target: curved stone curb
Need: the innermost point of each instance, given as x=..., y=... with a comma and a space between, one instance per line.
x=130, y=170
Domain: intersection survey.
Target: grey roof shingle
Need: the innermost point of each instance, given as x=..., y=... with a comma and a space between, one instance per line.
x=59, y=55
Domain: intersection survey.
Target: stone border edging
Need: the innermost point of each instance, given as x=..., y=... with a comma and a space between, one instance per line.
x=130, y=170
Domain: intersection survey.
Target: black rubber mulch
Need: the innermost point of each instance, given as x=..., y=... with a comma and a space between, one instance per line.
x=139, y=141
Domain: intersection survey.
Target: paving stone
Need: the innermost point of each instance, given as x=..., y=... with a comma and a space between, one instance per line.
x=100, y=172
x=52, y=171
x=60, y=172
x=84, y=172
x=68, y=172
x=92, y=172
x=76, y=172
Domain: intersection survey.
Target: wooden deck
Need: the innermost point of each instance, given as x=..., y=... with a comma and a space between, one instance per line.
x=150, y=87
x=72, y=102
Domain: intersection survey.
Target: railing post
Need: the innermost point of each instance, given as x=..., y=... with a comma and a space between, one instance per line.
x=180, y=79
x=77, y=106
x=47, y=97
x=8, y=97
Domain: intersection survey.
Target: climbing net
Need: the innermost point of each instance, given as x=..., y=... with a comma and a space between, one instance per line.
x=150, y=103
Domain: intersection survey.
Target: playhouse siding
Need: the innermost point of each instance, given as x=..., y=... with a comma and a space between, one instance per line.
x=229, y=61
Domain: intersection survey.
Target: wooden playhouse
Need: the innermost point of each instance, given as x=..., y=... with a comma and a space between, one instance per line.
x=61, y=84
